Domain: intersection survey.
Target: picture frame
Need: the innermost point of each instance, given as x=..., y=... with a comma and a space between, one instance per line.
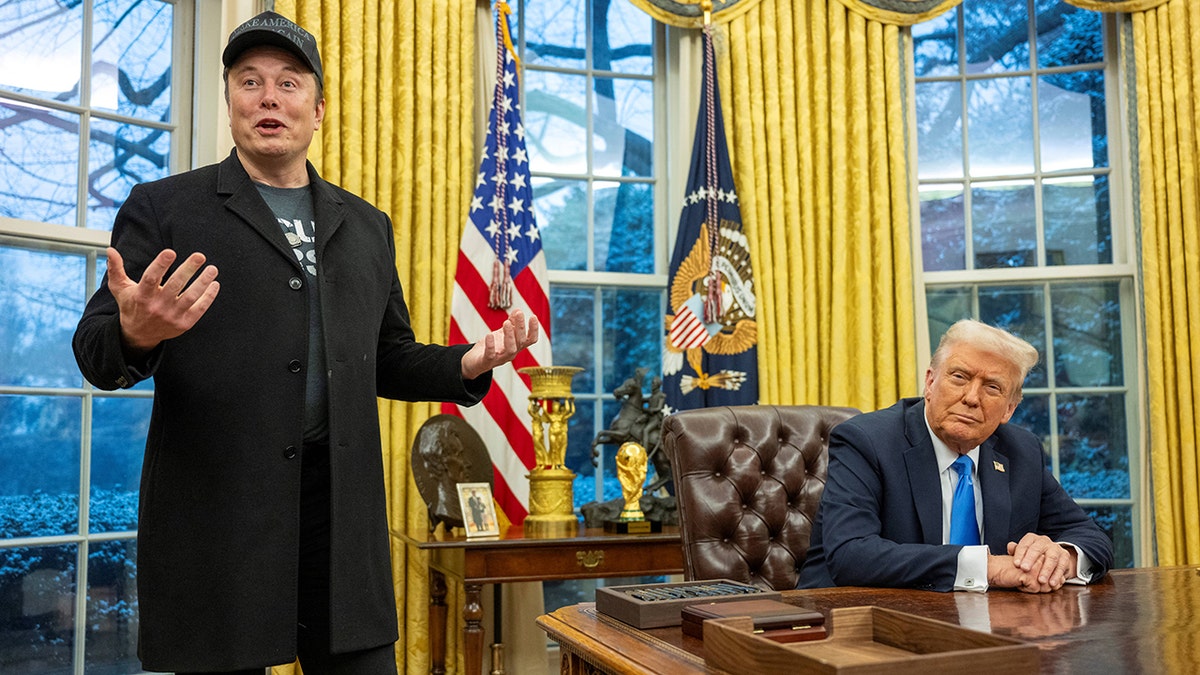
x=478, y=510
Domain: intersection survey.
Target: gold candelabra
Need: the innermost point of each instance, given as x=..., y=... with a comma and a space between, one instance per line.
x=551, y=498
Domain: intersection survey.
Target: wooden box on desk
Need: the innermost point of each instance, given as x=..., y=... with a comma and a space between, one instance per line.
x=779, y=621
x=619, y=603
x=866, y=640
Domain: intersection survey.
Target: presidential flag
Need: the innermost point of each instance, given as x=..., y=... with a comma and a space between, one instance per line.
x=501, y=267
x=711, y=356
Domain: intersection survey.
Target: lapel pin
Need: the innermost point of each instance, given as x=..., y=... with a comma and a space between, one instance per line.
x=998, y=466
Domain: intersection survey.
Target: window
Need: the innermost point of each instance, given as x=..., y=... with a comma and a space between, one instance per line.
x=1024, y=224
x=590, y=79
x=89, y=106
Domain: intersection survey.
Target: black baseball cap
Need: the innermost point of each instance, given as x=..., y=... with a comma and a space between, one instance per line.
x=274, y=30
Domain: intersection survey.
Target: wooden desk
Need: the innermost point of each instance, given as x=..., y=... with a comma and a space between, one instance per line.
x=1137, y=621
x=591, y=554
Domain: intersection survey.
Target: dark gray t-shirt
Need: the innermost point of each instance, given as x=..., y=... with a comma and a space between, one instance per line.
x=293, y=210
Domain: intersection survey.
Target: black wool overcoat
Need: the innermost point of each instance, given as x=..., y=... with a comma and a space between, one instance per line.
x=217, y=525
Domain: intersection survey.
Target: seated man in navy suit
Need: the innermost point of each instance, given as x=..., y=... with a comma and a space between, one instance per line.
x=886, y=513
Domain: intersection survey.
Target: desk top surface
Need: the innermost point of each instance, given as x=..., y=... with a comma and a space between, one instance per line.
x=1143, y=620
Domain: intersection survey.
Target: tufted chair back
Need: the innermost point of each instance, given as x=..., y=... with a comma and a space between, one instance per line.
x=748, y=481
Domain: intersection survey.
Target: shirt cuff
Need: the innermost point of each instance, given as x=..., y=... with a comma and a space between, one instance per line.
x=1083, y=570
x=972, y=569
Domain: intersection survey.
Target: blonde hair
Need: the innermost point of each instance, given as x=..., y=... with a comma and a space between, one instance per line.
x=1010, y=347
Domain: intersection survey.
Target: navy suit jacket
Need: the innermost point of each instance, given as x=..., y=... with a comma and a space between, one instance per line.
x=880, y=520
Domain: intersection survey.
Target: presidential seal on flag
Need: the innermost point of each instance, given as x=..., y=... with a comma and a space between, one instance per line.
x=735, y=330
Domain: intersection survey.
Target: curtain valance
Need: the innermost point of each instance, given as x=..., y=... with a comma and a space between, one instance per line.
x=900, y=12
x=690, y=13
x=909, y=12
x=1117, y=5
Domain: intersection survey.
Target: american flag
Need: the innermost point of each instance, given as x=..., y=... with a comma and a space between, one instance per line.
x=711, y=356
x=501, y=266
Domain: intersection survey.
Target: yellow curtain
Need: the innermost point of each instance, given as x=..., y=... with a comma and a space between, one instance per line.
x=399, y=132
x=814, y=98
x=1166, y=46
x=900, y=12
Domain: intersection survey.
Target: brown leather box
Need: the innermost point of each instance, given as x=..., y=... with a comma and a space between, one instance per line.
x=773, y=619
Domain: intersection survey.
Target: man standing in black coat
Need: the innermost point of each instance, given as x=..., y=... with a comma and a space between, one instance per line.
x=262, y=524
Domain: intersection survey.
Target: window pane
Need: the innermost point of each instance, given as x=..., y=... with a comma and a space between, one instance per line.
x=943, y=231
x=556, y=122
x=119, y=157
x=40, y=48
x=1000, y=126
x=40, y=458
x=119, y=427
x=561, y=207
x=1117, y=522
x=624, y=39
x=1078, y=217
x=1019, y=310
x=624, y=223
x=554, y=34
x=112, y=604
x=939, y=130
x=39, y=163
x=623, y=127
x=41, y=298
x=1068, y=35
x=572, y=325
x=1004, y=224
x=935, y=45
x=37, y=609
x=632, y=332
x=997, y=35
x=944, y=306
x=1087, y=334
x=1033, y=415
x=1093, y=457
x=1071, y=121
x=131, y=58
x=581, y=429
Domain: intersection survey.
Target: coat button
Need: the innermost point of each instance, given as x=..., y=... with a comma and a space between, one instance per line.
x=289, y=452
x=296, y=283
x=294, y=365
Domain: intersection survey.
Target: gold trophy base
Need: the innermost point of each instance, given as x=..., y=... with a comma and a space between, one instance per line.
x=551, y=504
x=632, y=526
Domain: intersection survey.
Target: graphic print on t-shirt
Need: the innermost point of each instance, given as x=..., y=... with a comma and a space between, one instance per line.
x=301, y=238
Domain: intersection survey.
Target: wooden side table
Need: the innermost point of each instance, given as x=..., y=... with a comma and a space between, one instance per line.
x=590, y=554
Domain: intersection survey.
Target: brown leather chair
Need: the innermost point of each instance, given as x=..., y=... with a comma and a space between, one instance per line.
x=748, y=480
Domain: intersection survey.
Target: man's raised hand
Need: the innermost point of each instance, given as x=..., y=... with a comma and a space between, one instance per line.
x=153, y=310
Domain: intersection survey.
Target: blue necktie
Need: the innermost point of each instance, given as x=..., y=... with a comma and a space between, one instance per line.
x=964, y=529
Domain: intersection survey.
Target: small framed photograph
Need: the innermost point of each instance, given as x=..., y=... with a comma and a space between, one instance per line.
x=478, y=511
